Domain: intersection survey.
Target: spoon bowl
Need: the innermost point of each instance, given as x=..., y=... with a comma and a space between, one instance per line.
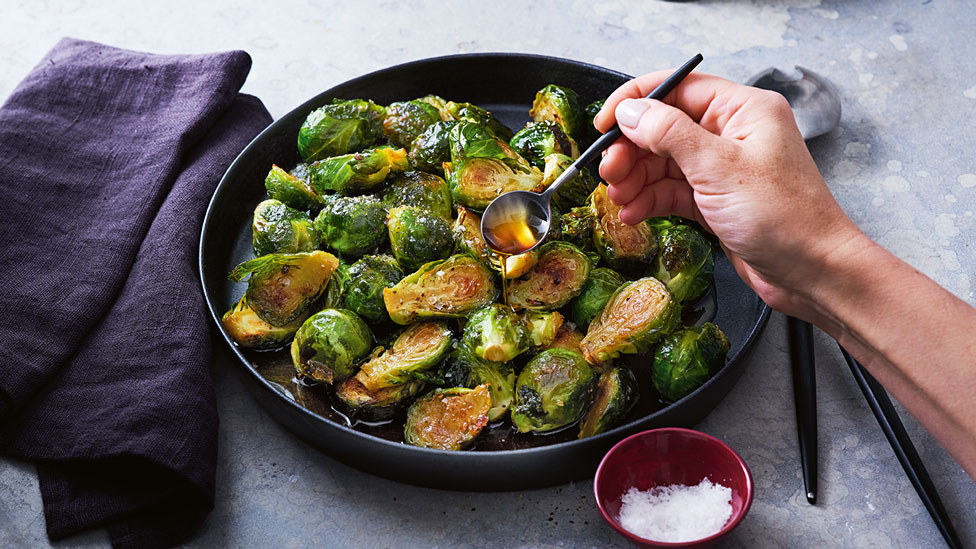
x=516, y=222
x=813, y=99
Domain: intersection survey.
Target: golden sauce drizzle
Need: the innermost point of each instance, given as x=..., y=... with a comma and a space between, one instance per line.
x=513, y=237
x=503, y=267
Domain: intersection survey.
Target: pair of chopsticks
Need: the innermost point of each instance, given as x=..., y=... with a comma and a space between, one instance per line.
x=805, y=399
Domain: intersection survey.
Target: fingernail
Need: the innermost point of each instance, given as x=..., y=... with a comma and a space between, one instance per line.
x=629, y=112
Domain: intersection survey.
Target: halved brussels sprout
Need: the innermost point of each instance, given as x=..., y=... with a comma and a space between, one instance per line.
x=562, y=106
x=416, y=350
x=431, y=149
x=330, y=344
x=463, y=368
x=540, y=139
x=423, y=190
x=566, y=338
x=591, y=110
x=577, y=227
x=450, y=288
x=471, y=113
x=375, y=405
x=688, y=358
x=367, y=279
x=468, y=239
x=438, y=103
x=292, y=190
x=418, y=237
x=335, y=292
x=276, y=228
x=628, y=249
x=552, y=391
x=406, y=120
x=557, y=278
x=340, y=128
x=635, y=317
x=356, y=172
x=596, y=292
x=496, y=333
x=448, y=419
x=543, y=326
x=246, y=328
x=282, y=286
x=352, y=225
x=684, y=262
x=574, y=192
x=616, y=394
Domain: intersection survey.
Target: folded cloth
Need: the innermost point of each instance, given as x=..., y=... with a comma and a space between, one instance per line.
x=108, y=159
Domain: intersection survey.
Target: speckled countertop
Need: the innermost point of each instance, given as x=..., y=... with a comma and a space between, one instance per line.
x=902, y=165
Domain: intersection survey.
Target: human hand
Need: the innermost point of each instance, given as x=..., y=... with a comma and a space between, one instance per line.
x=730, y=157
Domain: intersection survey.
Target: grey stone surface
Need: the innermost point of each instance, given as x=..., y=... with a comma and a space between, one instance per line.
x=901, y=165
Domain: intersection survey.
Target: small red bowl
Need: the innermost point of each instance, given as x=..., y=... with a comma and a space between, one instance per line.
x=662, y=457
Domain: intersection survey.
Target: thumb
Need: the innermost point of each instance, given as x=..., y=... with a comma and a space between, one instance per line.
x=670, y=133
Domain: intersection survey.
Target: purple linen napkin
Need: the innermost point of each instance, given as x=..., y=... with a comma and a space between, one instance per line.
x=108, y=159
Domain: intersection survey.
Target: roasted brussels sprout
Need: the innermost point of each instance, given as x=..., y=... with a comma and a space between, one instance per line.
x=375, y=405
x=577, y=228
x=552, y=391
x=406, y=120
x=468, y=239
x=418, y=237
x=417, y=349
x=438, y=103
x=616, y=393
x=467, y=140
x=432, y=148
x=635, y=317
x=278, y=229
x=246, y=328
x=463, y=368
x=496, y=333
x=540, y=139
x=562, y=106
x=687, y=358
x=423, y=190
x=450, y=288
x=448, y=419
x=557, y=278
x=591, y=110
x=574, y=192
x=291, y=190
x=356, y=172
x=330, y=344
x=352, y=225
x=366, y=280
x=340, y=128
x=477, y=181
x=566, y=338
x=543, y=326
x=628, y=249
x=598, y=288
x=335, y=291
x=282, y=286
x=684, y=262
x=467, y=112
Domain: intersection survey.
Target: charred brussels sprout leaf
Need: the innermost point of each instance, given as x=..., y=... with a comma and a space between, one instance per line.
x=352, y=225
x=330, y=344
x=276, y=228
x=356, y=172
x=574, y=192
x=684, y=262
x=282, y=286
x=544, y=327
x=463, y=368
x=557, y=278
x=246, y=328
x=496, y=333
x=406, y=120
x=424, y=190
x=562, y=106
x=540, y=139
x=628, y=249
x=366, y=280
x=596, y=292
x=292, y=190
x=418, y=237
x=377, y=405
x=577, y=228
x=687, y=358
x=591, y=110
x=450, y=288
x=432, y=148
x=340, y=128
x=475, y=182
x=552, y=391
x=467, y=112
x=335, y=292
x=417, y=349
x=616, y=394
x=635, y=317
x=448, y=419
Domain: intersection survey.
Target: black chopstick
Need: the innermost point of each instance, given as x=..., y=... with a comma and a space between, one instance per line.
x=805, y=399
x=901, y=443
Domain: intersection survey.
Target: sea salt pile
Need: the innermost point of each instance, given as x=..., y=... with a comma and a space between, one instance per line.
x=676, y=513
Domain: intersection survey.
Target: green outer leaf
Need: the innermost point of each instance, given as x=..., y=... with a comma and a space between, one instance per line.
x=472, y=113
x=418, y=237
x=357, y=172
x=688, y=358
x=685, y=262
x=276, y=228
x=335, y=292
x=352, y=225
x=577, y=228
x=291, y=190
x=561, y=105
x=432, y=148
x=406, y=120
x=599, y=286
x=540, y=139
x=552, y=391
x=367, y=279
x=330, y=344
x=339, y=128
x=423, y=190
x=469, y=140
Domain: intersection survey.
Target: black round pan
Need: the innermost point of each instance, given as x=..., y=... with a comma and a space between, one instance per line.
x=505, y=84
